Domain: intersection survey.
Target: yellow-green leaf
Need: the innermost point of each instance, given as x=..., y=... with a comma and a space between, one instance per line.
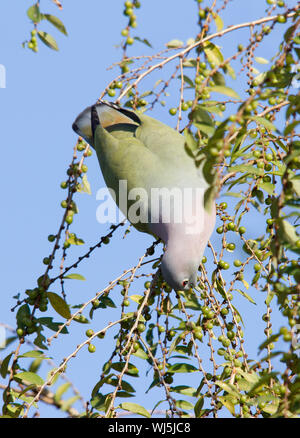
x=135, y=408
x=59, y=305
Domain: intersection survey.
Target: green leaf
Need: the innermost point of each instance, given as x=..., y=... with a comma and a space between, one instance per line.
x=224, y=90
x=246, y=168
x=74, y=277
x=61, y=390
x=56, y=22
x=213, y=54
x=30, y=378
x=66, y=404
x=74, y=240
x=290, y=127
x=246, y=296
x=34, y=354
x=143, y=40
x=22, y=313
x=182, y=404
x=59, y=305
x=262, y=121
x=198, y=407
x=34, y=14
x=268, y=187
x=261, y=60
x=174, y=44
x=135, y=408
x=136, y=298
x=184, y=390
x=202, y=120
x=182, y=368
x=287, y=232
x=218, y=21
x=131, y=369
x=48, y=40
x=84, y=186
x=4, y=365
x=48, y=322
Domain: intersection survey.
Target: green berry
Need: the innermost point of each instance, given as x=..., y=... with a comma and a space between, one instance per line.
x=237, y=263
x=124, y=32
x=281, y=19
x=230, y=246
x=242, y=230
x=220, y=230
x=223, y=205
x=89, y=333
x=173, y=111
x=141, y=327
x=20, y=332
x=111, y=92
x=184, y=106
x=69, y=219
x=231, y=226
x=129, y=41
x=92, y=348
x=224, y=311
x=64, y=185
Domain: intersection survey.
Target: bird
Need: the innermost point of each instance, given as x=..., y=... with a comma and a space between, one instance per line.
x=151, y=158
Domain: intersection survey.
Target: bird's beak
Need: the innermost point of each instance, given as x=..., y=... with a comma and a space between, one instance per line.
x=94, y=120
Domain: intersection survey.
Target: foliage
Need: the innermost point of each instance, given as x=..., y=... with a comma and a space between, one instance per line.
x=251, y=154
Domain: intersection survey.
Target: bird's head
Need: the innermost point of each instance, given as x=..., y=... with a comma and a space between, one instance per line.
x=179, y=273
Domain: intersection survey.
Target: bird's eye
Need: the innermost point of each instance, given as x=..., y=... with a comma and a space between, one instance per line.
x=185, y=283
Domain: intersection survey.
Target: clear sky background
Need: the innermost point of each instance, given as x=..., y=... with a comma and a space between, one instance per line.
x=44, y=93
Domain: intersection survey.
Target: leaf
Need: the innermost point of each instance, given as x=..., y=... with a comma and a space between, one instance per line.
x=59, y=305
x=174, y=44
x=144, y=41
x=74, y=277
x=136, y=298
x=213, y=54
x=74, y=240
x=135, y=408
x=56, y=22
x=268, y=187
x=60, y=391
x=290, y=127
x=27, y=376
x=22, y=313
x=48, y=40
x=182, y=404
x=4, y=365
x=184, y=390
x=48, y=322
x=66, y=404
x=246, y=168
x=34, y=14
x=131, y=369
x=202, y=120
x=262, y=121
x=246, y=296
x=224, y=90
x=287, y=232
x=84, y=186
x=218, y=21
x=34, y=354
x=198, y=407
x=261, y=60
x=182, y=368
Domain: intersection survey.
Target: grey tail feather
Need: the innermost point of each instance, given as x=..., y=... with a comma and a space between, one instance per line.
x=124, y=111
x=94, y=119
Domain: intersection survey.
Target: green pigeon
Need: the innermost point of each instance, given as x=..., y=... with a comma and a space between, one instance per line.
x=164, y=187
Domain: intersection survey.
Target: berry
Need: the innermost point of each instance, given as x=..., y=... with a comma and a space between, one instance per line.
x=89, y=333
x=64, y=185
x=237, y=263
x=230, y=246
x=20, y=332
x=111, y=92
x=173, y=111
x=129, y=41
x=242, y=230
x=92, y=348
x=281, y=19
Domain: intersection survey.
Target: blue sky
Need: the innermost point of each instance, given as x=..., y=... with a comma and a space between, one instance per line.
x=44, y=93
